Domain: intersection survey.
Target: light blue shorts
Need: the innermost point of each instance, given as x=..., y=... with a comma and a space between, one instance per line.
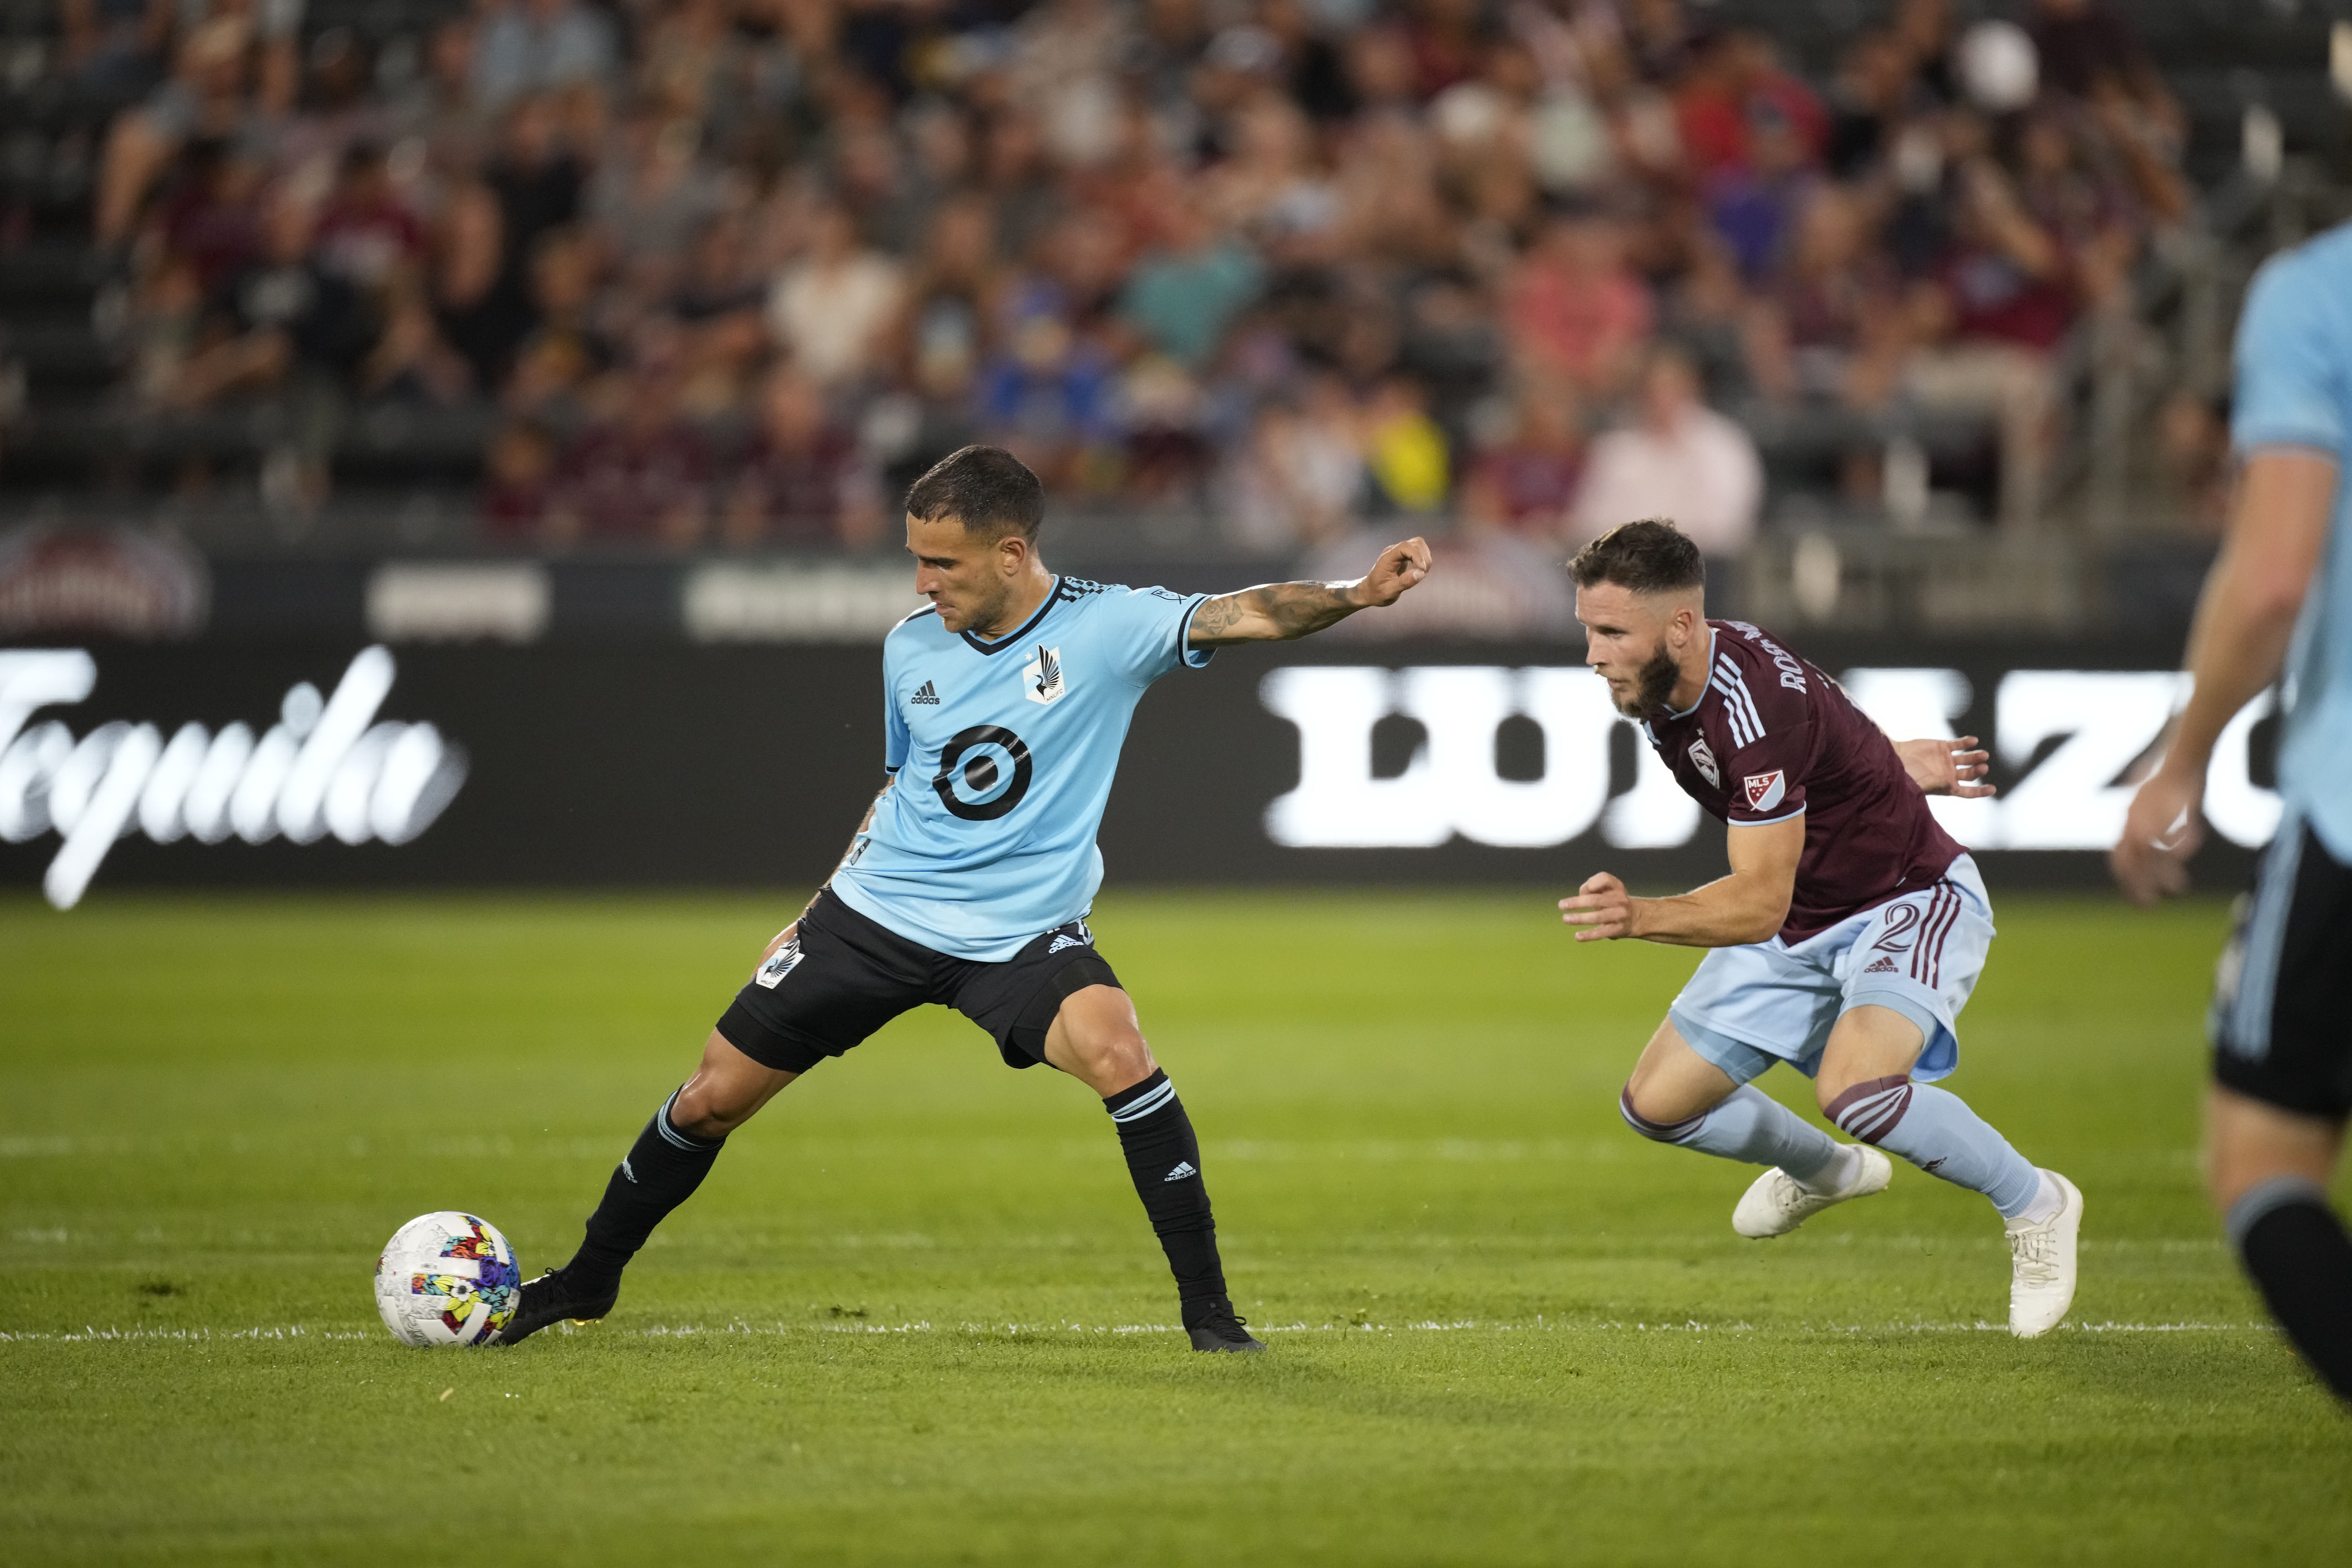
x=1748, y=1007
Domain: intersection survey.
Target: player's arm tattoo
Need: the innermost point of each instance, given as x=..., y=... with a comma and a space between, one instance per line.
x=1273, y=612
x=1278, y=612
x=865, y=825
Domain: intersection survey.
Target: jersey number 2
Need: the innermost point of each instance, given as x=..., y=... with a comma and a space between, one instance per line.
x=1899, y=921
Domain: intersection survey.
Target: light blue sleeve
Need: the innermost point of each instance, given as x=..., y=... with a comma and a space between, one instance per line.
x=1144, y=632
x=2291, y=389
x=895, y=739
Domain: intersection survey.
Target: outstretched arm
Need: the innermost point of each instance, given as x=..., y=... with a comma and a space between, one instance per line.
x=1281, y=611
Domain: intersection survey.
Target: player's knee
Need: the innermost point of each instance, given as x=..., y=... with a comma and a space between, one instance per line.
x=1115, y=1061
x=2235, y=1162
x=1649, y=1118
x=712, y=1108
x=698, y=1117
x=1867, y=1111
x=2224, y=1184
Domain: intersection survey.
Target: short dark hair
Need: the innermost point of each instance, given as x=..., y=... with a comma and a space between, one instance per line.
x=987, y=489
x=1649, y=556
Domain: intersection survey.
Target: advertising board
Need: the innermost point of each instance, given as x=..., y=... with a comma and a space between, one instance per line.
x=662, y=764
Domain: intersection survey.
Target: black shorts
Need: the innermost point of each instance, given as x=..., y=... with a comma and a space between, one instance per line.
x=2281, y=1022
x=843, y=977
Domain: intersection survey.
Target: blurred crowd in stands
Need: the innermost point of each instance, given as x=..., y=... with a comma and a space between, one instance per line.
x=727, y=273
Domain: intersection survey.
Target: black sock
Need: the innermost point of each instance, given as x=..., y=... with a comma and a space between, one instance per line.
x=660, y=1172
x=2295, y=1248
x=1164, y=1158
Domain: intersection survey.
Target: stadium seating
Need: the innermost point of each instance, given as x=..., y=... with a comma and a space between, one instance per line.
x=1160, y=441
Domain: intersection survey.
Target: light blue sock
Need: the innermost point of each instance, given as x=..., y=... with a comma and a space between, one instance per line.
x=1748, y=1125
x=1937, y=1132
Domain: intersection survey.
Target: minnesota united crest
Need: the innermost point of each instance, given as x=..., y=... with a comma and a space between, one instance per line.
x=1041, y=678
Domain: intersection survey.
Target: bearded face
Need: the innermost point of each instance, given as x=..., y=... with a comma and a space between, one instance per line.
x=1636, y=644
x=1654, y=683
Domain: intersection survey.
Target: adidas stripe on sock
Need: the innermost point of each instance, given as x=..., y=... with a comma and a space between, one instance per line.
x=1936, y=1130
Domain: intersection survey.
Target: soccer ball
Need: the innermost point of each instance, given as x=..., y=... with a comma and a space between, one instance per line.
x=446, y=1279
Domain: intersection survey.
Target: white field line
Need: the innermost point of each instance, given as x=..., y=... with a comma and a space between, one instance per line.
x=88, y=1336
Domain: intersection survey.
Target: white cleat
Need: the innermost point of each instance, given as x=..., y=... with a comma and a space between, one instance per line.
x=2041, y=1284
x=1775, y=1204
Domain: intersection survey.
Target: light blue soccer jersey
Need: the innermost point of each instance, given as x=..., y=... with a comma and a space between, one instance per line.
x=2295, y=389
x=1001, y=757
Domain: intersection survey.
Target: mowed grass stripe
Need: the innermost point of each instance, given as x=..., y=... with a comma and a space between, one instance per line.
x=911, y=1318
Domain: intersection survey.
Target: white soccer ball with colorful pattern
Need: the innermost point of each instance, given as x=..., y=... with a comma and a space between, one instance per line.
x=446, y=1279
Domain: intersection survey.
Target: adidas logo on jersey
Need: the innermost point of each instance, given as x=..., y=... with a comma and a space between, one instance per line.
x=927, y=694
x=1884, y=966
x=1184, y=1168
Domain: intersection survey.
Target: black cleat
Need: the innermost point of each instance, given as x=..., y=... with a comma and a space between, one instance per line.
x=1213, y=1327
x=552, y=1299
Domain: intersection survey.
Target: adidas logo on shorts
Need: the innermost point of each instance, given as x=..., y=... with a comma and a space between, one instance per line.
x=1884, y=966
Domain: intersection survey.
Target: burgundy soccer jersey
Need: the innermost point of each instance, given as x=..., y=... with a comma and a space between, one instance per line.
x=1773, y=736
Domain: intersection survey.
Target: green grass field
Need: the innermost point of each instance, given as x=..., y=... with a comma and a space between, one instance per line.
x=916, y=1315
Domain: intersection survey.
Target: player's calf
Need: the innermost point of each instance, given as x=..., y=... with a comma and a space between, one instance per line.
x=2041, y=1211
x=1937, y=1132
x=2295, y=1248
x=662, y=1169
x=1810, y=1171
x=2268, y=1170
x=1748, y=1125
x=1096, y=1038
x=1864, y=1087
x=1163, y=1160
